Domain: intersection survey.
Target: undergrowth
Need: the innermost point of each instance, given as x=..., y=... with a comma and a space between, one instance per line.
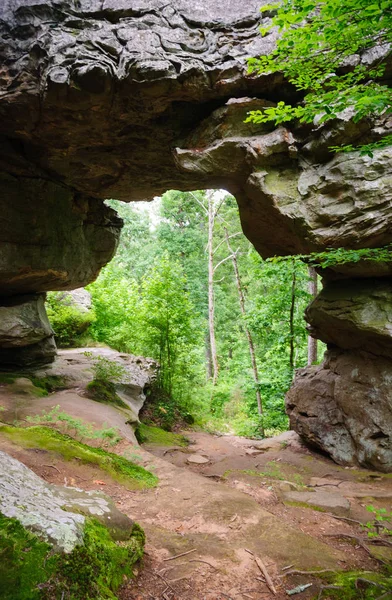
x=147, y=434
x=130, y=475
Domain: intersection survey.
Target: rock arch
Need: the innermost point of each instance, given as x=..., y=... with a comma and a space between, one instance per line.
x=126, y=99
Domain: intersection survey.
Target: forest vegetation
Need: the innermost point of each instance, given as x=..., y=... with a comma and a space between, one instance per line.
x=184, y=276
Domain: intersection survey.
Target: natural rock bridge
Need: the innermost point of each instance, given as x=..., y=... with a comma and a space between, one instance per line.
x=129, y=98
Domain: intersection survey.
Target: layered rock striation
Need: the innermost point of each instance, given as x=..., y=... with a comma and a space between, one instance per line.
x=111, y=99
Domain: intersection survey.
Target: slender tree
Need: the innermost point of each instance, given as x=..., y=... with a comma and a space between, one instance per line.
x=241, y=296
x=312, y=342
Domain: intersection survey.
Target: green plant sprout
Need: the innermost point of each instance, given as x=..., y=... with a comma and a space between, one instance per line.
x=381, y=523
x=106, y=370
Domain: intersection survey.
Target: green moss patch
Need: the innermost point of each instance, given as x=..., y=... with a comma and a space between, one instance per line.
x=147, y=434
x=359, y=585
x=42, y=386
x=30, y=570
x=50, y=383
x=122, y=470
x=104, y=391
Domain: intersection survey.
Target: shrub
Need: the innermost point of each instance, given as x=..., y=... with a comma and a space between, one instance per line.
x=68, y=322
x=106, y=370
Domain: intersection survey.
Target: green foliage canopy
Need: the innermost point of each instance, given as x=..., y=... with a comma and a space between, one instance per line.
x=333, y=51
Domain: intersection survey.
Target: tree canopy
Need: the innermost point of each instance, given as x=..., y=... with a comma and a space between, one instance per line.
x=335, y=52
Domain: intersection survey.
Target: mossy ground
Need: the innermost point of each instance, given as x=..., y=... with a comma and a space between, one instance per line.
x=127, y=473
x=30, y=570
x=104, y=391
x=359, y=585
x=147, y=434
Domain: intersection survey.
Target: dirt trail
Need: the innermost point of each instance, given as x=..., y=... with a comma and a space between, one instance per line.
x=217, y=521
x=214, y=513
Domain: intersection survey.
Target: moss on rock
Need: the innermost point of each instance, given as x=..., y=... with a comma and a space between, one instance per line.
x=147, y=434
x=122, y=470
x=31, y=570
x=104, y=391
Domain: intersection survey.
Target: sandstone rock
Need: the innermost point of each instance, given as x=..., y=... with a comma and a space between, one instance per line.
x=79, y=298
x=197, y=459
x=59, y=514
x=23, y=321
x=343, y=407
x=354, y=314
x=26, y=336
x=128, y=99
x=50, y=238
x=322, y=500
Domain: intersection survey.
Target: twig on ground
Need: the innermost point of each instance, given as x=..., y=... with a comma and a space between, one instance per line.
x=288, y=567
x=344, y=519
x=359, y=541
x=296, y=572
x=52, y=467
x=165, y=581
x=179, y=555
x=202, y=561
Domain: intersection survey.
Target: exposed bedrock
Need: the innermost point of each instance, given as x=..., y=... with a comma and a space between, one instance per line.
x=343, y=407
x=112, y=99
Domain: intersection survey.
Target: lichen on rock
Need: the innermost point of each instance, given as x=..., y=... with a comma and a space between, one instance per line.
x=56, y=540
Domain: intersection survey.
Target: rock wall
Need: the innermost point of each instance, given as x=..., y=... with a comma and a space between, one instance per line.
x=107, y=98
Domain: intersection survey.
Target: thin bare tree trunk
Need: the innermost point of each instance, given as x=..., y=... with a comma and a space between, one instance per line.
x=208, y=357
x=292, y=309
x=312, y=343
x=211, y=306
x=248, y=333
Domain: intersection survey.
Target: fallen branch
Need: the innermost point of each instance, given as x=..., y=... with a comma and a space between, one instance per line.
x=264, y=571
x=166, y=582
x=179, y=555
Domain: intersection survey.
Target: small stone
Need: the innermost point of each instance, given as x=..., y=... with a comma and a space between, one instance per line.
x=197, y=459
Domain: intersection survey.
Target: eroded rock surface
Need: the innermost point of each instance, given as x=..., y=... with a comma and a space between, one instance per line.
x=125, y=100
x=26, y=336
x=59, y=514
x=344, y=408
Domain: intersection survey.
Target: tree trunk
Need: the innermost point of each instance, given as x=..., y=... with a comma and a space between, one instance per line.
x=248, y=333
x=292, y=310
x=208, y=357
x=211, y=306
x=312, y=343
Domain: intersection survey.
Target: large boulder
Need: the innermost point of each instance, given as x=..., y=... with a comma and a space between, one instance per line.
x=57, y=538
x=343, y=407
x=26, y=336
